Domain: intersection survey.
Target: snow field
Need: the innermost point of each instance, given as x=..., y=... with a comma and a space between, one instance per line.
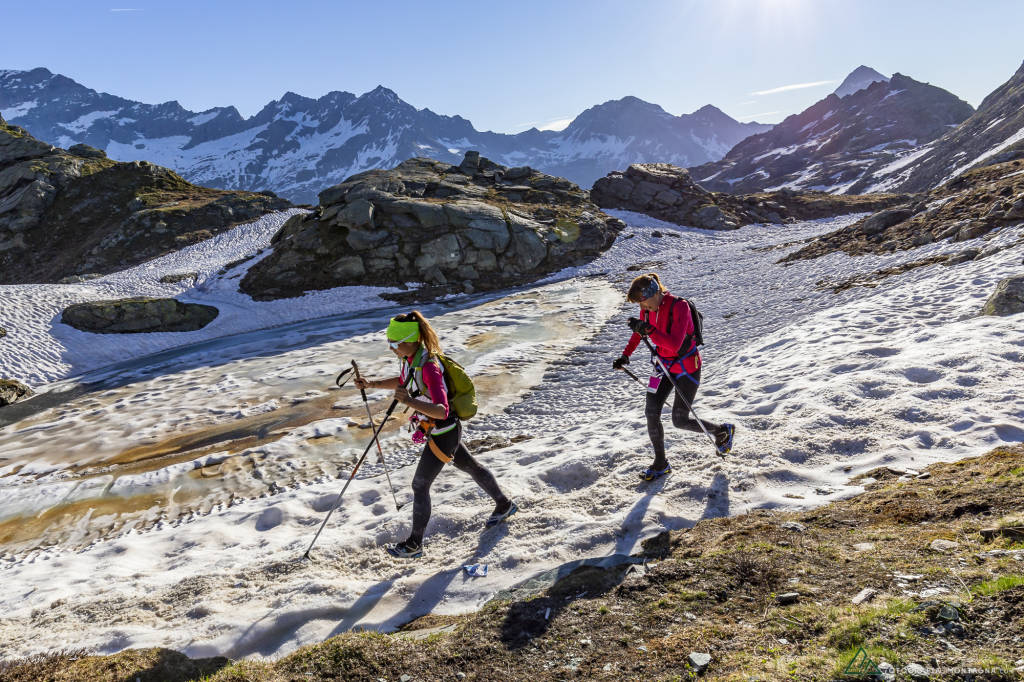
x=818, y=383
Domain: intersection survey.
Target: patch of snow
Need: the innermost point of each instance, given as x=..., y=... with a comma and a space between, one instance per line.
x=994, y=123
x=199, y=119
x=13, y=112
x=83, y=122
x=1011, y=140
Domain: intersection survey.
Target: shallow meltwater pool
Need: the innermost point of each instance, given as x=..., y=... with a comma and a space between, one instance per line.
x=164, y=438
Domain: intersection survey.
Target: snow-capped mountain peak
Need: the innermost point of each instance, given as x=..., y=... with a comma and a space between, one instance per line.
x=859, y=78
x=298, y=146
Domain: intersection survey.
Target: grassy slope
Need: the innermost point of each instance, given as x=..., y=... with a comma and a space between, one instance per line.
x=712, y=588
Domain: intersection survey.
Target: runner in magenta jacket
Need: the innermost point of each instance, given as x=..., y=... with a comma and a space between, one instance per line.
x=666, y=320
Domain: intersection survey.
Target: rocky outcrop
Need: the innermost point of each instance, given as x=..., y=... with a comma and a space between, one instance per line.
x=1007, y=299
x=75, y=212
x=837, y=144
x=474, y=226
x=967, y=207
x=137, y=315
x=993, y=134
x=12, y=391
x=668, y=192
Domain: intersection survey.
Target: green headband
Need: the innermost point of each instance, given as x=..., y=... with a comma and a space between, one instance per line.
x=403, y=331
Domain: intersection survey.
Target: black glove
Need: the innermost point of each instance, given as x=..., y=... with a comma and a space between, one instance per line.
x=641, y=327
x=621, y=362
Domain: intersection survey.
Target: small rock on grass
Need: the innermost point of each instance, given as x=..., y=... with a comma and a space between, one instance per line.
x=943, y=545
x=794, y=526
x=916, y=671
x=699, y=661
x=865, y=595
x=788, y=598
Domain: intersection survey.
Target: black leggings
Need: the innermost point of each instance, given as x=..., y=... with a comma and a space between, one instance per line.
x=681, y=418
x=430, y=466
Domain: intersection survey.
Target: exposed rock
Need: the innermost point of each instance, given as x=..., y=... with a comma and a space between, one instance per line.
x=916, y=671
x=940, y=545
x=838, y=143
x=669, y=193
x=699, y=661
x=794, y=526
x=968, y=207
x=997, y=121
x=179, y=277
x=136, y=315
x=787, y=598
x=68, y=213
x=474, y=226
x=865, y=595
x=1007, y=299
x=12, y=391
x=3, y=332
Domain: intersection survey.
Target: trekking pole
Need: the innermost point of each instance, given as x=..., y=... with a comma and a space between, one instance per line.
x=679, y=392
x=380, y=451
x=359, y=463
x=632, y=376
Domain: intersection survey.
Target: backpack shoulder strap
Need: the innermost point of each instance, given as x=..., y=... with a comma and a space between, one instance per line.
x=675, y=301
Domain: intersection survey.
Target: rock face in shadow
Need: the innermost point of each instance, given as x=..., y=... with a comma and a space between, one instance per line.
x=1007, y=299
x=838, y=143
x=668, y=192
x=76, y=212
x=992, y=135
x=969, y=206
x=138, y=315
x=469, y=227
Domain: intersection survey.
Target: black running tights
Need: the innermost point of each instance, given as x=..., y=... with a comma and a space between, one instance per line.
x=430, y=466
x=681, y=417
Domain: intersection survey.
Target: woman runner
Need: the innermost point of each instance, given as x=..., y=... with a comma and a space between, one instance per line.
x=667, y=321
x=415, y=343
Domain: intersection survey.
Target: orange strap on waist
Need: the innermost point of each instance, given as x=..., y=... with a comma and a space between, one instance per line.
x=426, y=426
x=438, y=452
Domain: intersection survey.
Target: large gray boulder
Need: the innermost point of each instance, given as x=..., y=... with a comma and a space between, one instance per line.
x=1007, y=299
x=138, y=315
x=668, y=192
x=474, y=226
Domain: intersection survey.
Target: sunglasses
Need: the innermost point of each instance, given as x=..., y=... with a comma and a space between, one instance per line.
x=395, y=344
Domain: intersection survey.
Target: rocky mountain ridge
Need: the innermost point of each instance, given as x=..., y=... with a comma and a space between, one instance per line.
x=297, y=146
x=993, y=134
x=837, y=144
x=75, y=212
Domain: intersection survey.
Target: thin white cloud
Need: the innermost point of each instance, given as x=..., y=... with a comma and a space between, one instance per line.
x=794, y=86
x=752, y=116
x=125, y=9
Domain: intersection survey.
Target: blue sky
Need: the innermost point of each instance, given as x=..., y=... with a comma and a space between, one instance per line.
x=509, y=66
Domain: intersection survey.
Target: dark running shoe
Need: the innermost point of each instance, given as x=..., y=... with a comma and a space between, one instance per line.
x=498, y=517
x=724, y=439
x=655, y=474
x=405, y=550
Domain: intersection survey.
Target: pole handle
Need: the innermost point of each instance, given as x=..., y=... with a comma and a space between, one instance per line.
x=355, y=368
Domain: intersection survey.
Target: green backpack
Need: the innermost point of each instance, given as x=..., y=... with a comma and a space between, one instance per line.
x=461, y=391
